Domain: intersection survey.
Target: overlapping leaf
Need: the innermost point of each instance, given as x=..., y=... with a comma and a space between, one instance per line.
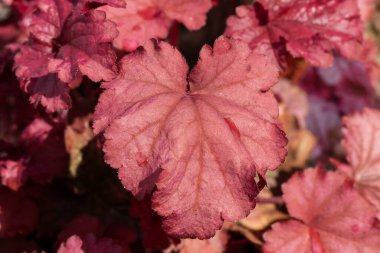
x=209, y=132
x=303, y=28
x=143, y=20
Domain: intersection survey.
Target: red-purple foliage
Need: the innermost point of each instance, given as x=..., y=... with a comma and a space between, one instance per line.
x=207, y=111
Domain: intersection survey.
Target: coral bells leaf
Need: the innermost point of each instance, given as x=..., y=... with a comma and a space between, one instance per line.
x=85, y=49
x=143, y=20
x=332, y=216
x=303, y=28
x=362, y=144
x=66, y=42
x=210, y=131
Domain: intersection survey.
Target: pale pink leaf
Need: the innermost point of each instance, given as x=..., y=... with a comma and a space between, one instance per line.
x=288, y=237
x=332, y=216
x=362, y=144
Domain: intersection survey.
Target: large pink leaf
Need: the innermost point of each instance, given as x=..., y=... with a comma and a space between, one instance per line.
x=142, y=20
x=209, y=132
x=332, y=216
x=303, y=28
x=362, y=144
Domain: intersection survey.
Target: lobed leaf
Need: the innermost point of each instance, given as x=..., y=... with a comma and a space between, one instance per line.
x=210, y=131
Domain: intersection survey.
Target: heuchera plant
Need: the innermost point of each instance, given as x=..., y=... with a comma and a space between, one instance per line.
x=189, y=126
